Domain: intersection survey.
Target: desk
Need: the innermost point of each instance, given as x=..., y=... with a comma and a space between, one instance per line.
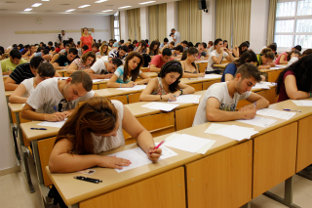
x=220, y=66
x=273, y=73
x=200, y=83
x=202, y=65
x=121, y=95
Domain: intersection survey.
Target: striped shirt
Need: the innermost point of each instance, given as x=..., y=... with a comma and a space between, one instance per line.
x=21, y=72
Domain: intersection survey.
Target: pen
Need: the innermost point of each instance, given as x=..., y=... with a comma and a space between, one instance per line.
x=160, y=143
x=287, y=109
x=38, y=128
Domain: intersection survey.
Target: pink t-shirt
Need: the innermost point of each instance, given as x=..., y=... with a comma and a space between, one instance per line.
x=87, y=40
x=157, y=61
x=282, y=90
x=277, y=61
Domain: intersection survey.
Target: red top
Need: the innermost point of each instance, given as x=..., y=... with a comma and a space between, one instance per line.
x=282, y=90
x=87, y=40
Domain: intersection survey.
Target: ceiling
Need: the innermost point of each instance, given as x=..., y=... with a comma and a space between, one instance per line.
x=60, y=6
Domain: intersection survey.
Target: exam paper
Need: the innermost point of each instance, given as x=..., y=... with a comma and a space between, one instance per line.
x=98, y=80
x=160, y=106
x=303, y=102
x=57, y=124
x=263, y=85
x=187, y=99
x=189, y=143
x=136, y=87
x=259, y=121
x=276, y=113
x=213, y=76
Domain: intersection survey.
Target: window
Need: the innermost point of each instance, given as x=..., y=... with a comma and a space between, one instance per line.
x=116, y=26
x=293, y=24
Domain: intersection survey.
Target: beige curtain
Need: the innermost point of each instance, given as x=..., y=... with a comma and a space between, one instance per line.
x=224, y=19
x=157, y=22
x=241, y=21
x=112, y=26
x=271, y=21
x=183, y=19
x=134, y=24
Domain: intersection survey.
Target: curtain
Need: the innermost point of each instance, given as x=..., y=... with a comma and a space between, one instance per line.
x=241, y=21
x=224, y=19
x=271, y=21
x=162, y=21
x=190, y=21
x=157, y=20
x=134, y=24
x=112, y=26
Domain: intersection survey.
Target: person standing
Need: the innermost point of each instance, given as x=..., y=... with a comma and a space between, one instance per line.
x=86, y=39
x=175, y=35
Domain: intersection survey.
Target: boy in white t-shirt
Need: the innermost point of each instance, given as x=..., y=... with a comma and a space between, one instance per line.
x=104, y=69
x=220, y=100
x=54, y=99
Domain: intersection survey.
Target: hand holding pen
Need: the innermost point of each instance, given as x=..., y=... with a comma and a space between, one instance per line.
x=155, y=152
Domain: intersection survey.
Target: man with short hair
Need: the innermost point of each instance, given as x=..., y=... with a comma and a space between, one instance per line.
x=22, y=72
x=159, y=60
x=54, y=99
x=220, y=99
x=9, y=64
x=121, y=53
x=201, y=51
x=64, y=61
x=175, y=35
x=104, y=69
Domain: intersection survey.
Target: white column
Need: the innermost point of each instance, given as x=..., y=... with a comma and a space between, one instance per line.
x=172, y=16
x=144, y=23
x=123, y=26
x=208, y=22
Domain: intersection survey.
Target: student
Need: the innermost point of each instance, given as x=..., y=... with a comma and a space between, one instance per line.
x=9, y=64
x=295, y=82
x=265, y=59
x=218, y=55
x=103, y=51
x=166, y=41
x=293, y=57
x=20, y=94
x=95, y=127
x=142, y=48
x=104, y=69
x=242, y=48
x=85, y=62
x=121, y=53
x=282, y=58
x=175, y=35
x=154, y=48
x=64, y=61
x=126, y=75
x=54, y=99
x=29, y=54
x=159, y=60
x=220, y=99
x=189, y=67
x=202, y=54
x=22, y=72
x=230, y=69
x=167, y=85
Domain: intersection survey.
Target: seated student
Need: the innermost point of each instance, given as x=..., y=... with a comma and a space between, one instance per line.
x=22, y=72
x=29, y=54
x=242, y=48
x=126, y=75
x=153, y=50
x=104, y=50
x=265, y=59
x=95, y=127
x=295, y=82
x=9, y=64
x=120, y=53
x=159, y=60
x=235, y=50
x=202, y=54
x=297, y=47
x=54, y=99
x=273, y=47
x=220, y=100
x=142, y=48
x=103, y=69
x=166, y=41
x=292, y=57
x=217, y=56
x=230, y=69
x=188, y=63
x=282, y=58
x=85, y=62
x=64, y=61
x=167, y=85
x=20, y=94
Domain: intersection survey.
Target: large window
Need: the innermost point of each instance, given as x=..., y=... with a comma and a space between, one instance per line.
x=293, y=24
x=116, y=27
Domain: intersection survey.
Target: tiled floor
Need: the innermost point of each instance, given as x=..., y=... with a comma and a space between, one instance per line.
x=14, y=193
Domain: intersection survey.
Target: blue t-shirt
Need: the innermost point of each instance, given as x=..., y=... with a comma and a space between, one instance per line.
x=119, y=73
x=229, y=69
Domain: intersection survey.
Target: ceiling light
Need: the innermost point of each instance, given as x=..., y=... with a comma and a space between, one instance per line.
x=27, y=9
x=147, y=2
x=70, y=10
x=45, y=0
x=36, y=5
x=84, y=6
x=124, y=7
x=109, y=10
x=100, y=1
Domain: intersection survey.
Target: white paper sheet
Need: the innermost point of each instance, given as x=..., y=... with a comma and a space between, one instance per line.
x=213, y=76
x=263, y=85
x=99, y=80
x=160, y=106
x=231, y=131
x=187, y=99
x=303, y=102
x=136, y=87
x=276, y=113
x=138, y=158
x=259, y=121
x=57, y=124
x=189, y=143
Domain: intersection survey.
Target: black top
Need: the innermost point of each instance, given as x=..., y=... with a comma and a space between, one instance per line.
x=21, y=72
x=63, y=61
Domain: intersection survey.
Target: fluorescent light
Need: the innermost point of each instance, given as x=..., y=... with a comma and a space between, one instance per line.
x=108, y=10
x=45, y=0
x=124, y=7
x=84, y=6
x=36, y=5
x=70, y=10
x=100, y=1
x=27, y=9
x=147, y=2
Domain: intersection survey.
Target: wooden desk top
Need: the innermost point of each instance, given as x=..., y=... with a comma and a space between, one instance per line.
x=197, y=80
x=109, y=92
x=222, y=65
x=16, y=107
x=277, y=67
x=8, y=93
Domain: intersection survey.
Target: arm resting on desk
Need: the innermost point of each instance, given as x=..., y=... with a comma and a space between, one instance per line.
x=10, y=84
x=30, y=114
x=17, y=95
x=292, y=89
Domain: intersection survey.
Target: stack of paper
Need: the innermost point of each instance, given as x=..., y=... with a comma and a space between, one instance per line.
x=57, y=124
x=276, y=113
x=231, y=131
x=213, y=76
x=139, y=158
x=187, y=99
x=160, y=106
x=259, y=121
x=136, y=87
x=189, y=143
x=303, y=102
x=263, y=85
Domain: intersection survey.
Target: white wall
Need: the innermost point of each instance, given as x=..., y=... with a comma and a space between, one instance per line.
x=258, y=24
x=50, y=25
x=172, y=16
x=144, y=23
x=208, y=23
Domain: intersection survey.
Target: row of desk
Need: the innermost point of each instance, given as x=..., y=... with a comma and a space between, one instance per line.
x=229, y=174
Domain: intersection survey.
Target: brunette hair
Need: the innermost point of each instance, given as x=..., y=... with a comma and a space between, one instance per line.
x=135, y=72
x=86, y=55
